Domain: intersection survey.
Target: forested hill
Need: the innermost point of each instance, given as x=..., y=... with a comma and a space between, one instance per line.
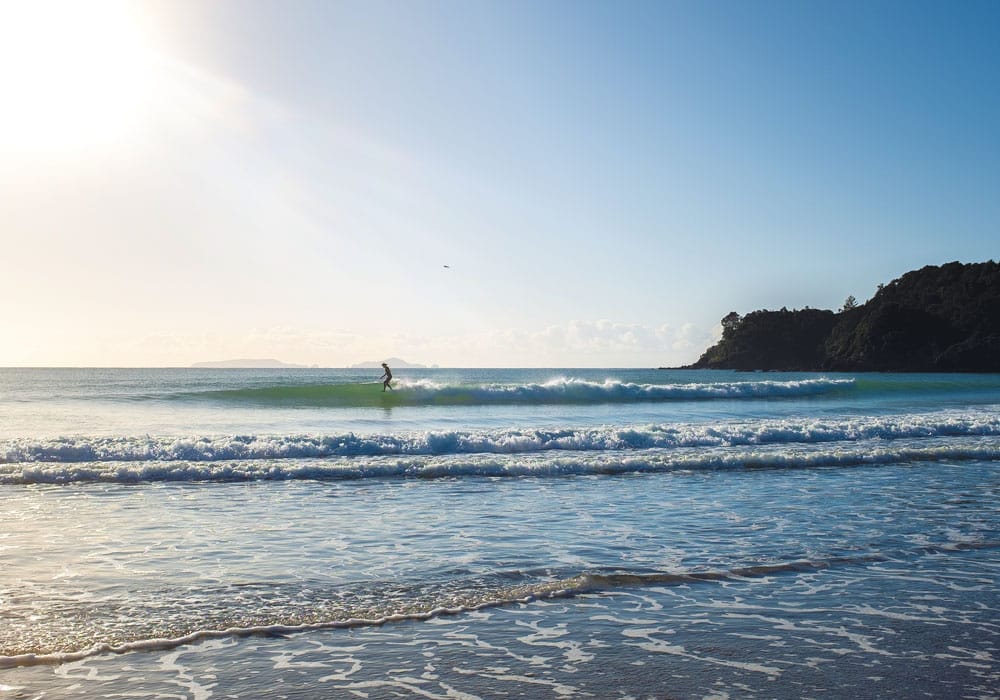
x=937, y=319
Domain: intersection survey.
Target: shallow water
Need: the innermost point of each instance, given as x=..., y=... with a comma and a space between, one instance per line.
x=604, y=533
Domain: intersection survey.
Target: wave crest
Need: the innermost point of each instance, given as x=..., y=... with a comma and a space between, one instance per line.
x=506, y=441
x=424, y=392
x=485, y=465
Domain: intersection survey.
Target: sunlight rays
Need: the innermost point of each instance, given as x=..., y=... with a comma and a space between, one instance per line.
x=74, y=75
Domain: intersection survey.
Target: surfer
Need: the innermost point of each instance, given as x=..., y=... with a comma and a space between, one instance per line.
x=387, y=377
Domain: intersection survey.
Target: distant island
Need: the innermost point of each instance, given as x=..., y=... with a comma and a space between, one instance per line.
x=937, y=319
x=249, y=364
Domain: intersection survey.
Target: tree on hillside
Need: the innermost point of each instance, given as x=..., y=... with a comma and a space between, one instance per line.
x=730, y=322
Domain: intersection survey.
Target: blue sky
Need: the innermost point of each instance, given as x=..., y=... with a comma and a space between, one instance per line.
x=604, y=180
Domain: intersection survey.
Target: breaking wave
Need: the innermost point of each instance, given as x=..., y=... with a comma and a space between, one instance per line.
x=425, y=392
x=529, y=464
x=500, y=441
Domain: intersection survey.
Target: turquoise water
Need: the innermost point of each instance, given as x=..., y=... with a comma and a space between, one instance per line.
x=492, y=533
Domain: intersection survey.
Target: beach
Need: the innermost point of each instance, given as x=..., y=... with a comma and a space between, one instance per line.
x=476, y=350
x=498, y=533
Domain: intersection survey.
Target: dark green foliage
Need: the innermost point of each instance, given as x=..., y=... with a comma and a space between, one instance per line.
x=938, y=318
x=772, y=340
x=730, y=322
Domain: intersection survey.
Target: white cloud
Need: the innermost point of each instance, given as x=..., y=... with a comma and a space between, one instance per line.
x=600, y=343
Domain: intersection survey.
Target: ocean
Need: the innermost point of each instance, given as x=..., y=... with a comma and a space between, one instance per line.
x=498, y=533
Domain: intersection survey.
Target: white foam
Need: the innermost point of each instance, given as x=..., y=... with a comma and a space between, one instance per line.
x=568, y=389
x=525, y=594
x=108, y=455
x=493, y=465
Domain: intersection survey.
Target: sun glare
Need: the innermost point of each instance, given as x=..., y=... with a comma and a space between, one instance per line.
x=73, y=74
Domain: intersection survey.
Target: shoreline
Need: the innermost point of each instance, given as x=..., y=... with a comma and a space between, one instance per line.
x=727, y=639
